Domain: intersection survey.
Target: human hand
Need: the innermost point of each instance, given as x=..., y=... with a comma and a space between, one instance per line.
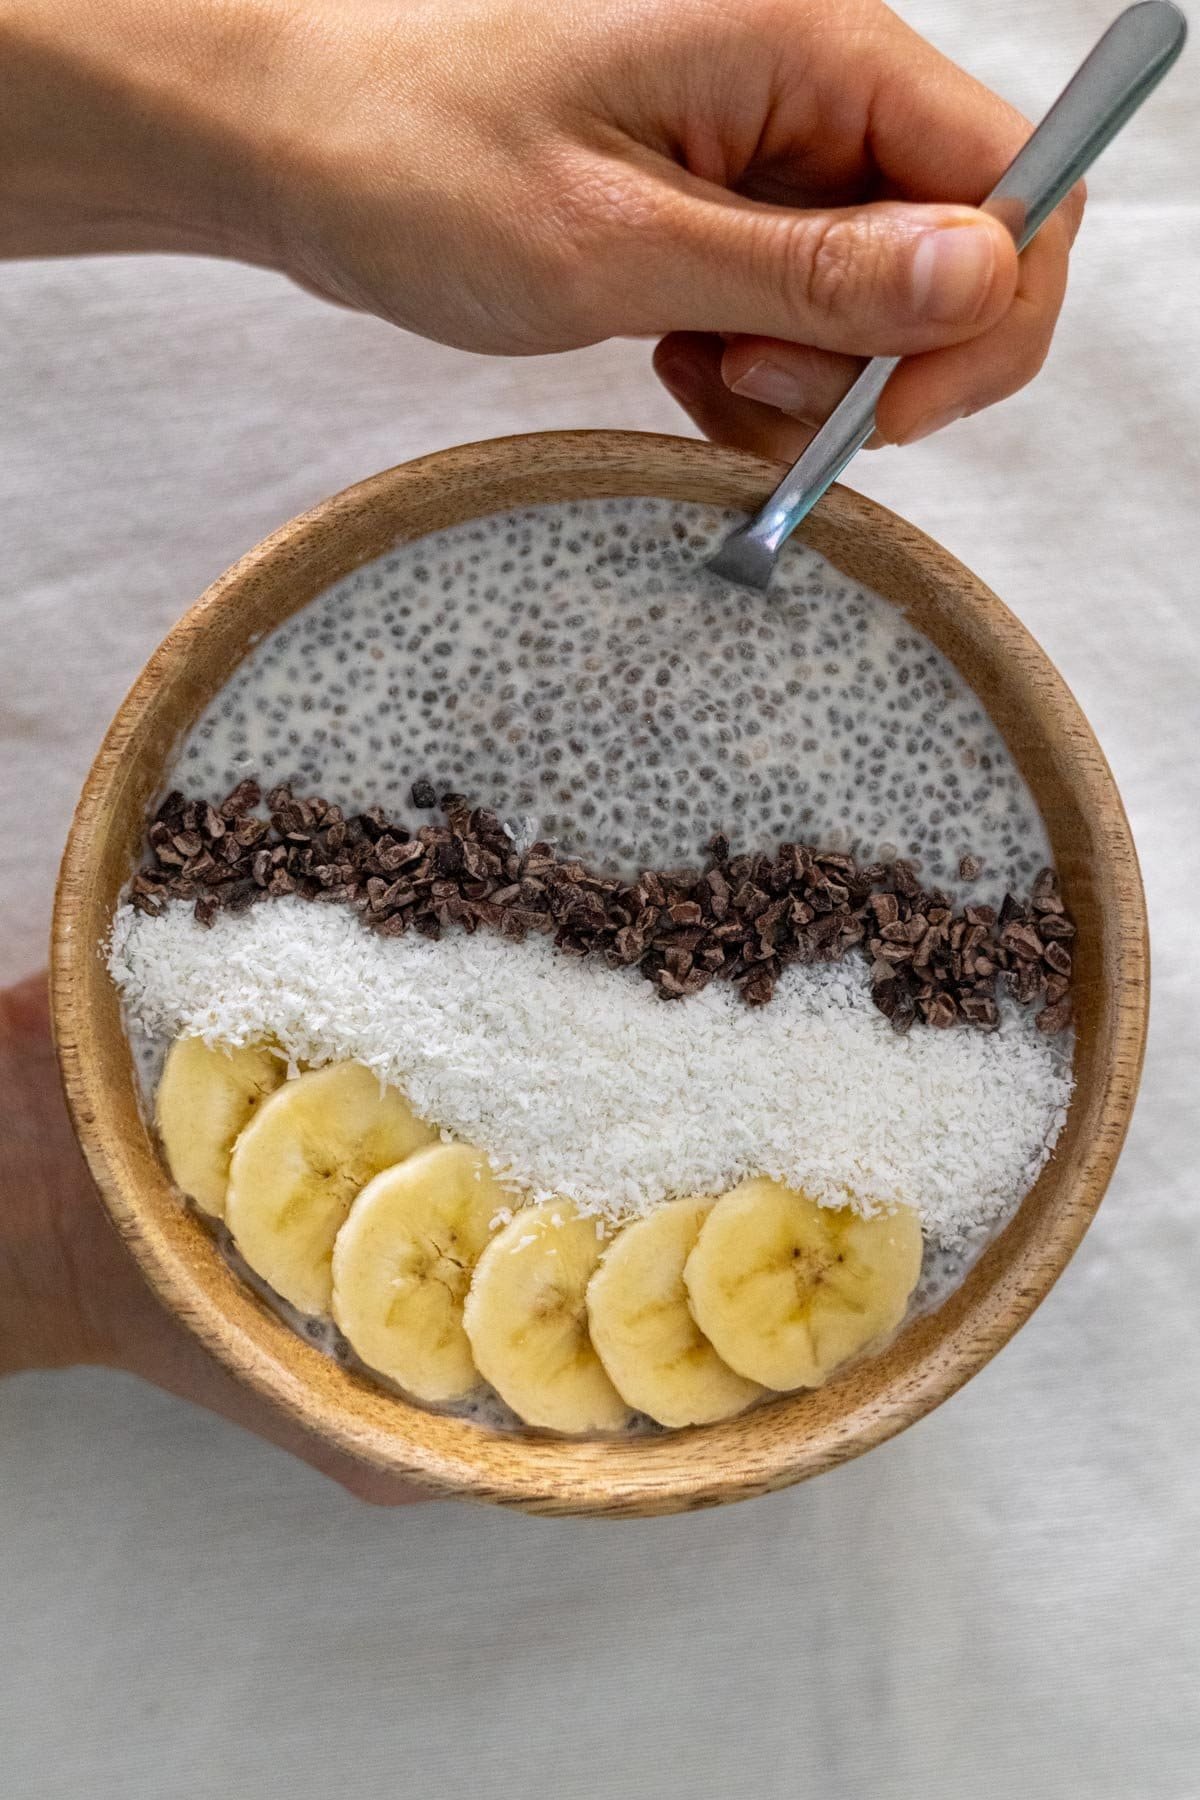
x=69, y=1292
x=763, y=185
x=756, y=181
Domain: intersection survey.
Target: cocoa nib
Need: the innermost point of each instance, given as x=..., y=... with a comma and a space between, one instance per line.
x=738, y=918
x=1055, y=1017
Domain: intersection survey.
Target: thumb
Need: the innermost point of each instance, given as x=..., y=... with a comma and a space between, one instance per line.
x=890, y=278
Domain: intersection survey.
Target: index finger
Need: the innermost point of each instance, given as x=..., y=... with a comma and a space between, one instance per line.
x=936, y=133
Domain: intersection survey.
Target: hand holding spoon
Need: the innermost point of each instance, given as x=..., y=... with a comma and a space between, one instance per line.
x=1124, y=68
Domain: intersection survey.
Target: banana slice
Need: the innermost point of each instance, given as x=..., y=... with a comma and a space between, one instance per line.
x=787, y=1290
x=643, y=1331
x=205, y=1098
x=402, y=1263
x=300, y=1162
x=526, y=1317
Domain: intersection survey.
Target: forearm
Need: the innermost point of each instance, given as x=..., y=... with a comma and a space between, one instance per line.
x=134, y=125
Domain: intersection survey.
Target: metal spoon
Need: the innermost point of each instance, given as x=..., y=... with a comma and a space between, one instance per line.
x=1127, y=64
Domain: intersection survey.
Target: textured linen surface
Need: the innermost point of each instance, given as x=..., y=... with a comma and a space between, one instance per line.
x=1004, y=1602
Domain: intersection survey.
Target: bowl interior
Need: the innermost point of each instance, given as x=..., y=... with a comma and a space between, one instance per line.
x=794, y=1436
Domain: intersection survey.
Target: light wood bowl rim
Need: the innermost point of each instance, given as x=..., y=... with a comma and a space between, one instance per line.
x=683, y=1470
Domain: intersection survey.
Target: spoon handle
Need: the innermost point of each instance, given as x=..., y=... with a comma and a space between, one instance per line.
x=1104, y=93
x=1126, y=65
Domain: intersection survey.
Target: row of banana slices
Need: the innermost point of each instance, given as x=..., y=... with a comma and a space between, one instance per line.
x=346, y=1203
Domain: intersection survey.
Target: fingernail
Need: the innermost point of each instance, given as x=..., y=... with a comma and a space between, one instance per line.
x=771, y=385
x=952, y=273
x=939, y=422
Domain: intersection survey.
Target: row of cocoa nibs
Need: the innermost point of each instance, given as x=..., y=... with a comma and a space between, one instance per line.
x=739, y=918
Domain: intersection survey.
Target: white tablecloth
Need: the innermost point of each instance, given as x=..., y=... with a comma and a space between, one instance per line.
x=1003, y=1602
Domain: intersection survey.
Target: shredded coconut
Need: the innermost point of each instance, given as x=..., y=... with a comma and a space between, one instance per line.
x=577, y=1081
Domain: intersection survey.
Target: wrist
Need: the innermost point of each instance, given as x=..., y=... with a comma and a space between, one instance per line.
x=133, y=125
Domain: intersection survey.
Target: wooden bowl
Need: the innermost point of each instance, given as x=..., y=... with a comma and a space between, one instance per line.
x=792, y=1437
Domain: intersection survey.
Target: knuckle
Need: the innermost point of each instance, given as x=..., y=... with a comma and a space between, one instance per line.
x=844, y=272
x=1057, y=237
x=1026, y=355
x=1032, y=357
x=1033, y=344
x=831, y=268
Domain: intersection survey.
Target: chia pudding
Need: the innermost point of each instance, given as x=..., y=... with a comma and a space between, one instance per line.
x=574, y=667
x=565, y=776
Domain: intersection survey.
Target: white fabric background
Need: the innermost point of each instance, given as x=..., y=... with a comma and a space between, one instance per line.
x=1002, y=1603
